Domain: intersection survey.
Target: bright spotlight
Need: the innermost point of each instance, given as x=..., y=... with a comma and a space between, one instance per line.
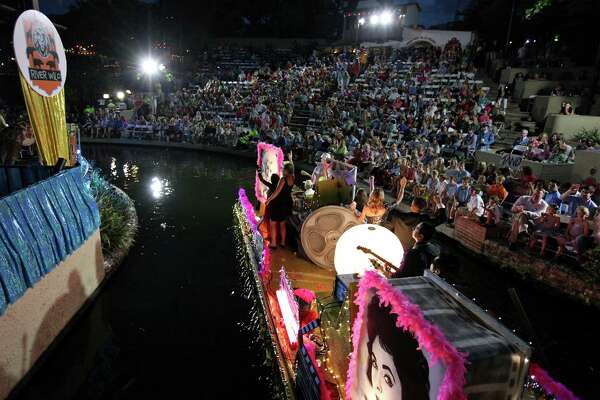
x=386, y=17
x=374, y=19
x=120, y=95
x=361, y=21
x=106, y=96
x=149, y=66
x=161, y=67
x=128, y=91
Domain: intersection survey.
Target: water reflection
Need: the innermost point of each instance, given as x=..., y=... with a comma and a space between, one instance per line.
x=160, y=187
x=178, y=275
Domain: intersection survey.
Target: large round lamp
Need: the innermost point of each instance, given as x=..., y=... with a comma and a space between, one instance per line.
x=355, y=249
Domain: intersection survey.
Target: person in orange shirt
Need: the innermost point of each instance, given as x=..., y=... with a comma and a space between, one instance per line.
x=498, y=189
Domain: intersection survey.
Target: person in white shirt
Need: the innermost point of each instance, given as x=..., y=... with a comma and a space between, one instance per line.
x=525, y=210
x=475, y=206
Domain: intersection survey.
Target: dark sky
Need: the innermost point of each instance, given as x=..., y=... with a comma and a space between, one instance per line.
x=434, y=11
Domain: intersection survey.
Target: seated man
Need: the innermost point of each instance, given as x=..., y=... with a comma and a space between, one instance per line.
x=576, y=197
x=526, y=209
x=421, y=255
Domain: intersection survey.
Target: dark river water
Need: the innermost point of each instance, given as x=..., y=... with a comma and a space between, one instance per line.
x=166, y=324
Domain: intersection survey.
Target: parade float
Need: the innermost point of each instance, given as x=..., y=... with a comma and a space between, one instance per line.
x=333, y=325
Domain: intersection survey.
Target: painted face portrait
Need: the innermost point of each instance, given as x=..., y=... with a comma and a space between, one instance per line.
x=269, y=166
x=391, y=365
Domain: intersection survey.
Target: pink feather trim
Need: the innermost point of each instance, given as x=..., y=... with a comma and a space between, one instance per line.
x=549, y=385
x=427, y=335
x=265, y=265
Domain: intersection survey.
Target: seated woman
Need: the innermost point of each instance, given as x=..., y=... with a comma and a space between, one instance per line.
x=578, y=226
x=546, y=226
x=374, y=210
x=492, y=213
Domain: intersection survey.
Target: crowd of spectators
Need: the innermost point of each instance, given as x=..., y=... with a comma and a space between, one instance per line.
x=412, y=120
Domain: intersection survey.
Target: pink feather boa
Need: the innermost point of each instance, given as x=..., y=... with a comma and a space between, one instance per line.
x=260, y=147
x=265, y=265
x=410, y=318
x=549, y=385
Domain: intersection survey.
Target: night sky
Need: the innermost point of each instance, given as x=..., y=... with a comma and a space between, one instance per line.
x=433, y=11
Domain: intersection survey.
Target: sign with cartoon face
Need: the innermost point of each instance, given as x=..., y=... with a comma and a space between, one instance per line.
x=39, y=53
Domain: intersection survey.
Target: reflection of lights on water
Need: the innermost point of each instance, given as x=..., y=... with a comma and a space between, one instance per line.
x=113, y=166
x=160, y=187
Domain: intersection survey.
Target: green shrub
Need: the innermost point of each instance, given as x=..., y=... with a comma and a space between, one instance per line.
x=588, y=134
x=115, y=230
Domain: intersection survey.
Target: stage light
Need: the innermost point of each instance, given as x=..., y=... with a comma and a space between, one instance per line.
x=374, y=19
x=386, y=17
x=361, y=21
x=149, y=66
x=106, y=96
x=349, y=260
x=120, y=95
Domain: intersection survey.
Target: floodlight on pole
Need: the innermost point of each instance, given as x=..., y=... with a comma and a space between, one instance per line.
x=149, y=66
x=120, y=95
x=374, y=19
x=386, y=17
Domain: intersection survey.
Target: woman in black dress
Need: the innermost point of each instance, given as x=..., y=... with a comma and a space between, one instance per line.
x=280, y=205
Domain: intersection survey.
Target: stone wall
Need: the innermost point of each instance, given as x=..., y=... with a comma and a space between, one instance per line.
x=546, y=105
x=570, y=125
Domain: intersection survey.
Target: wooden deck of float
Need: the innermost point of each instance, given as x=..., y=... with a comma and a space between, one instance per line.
x=305, y=274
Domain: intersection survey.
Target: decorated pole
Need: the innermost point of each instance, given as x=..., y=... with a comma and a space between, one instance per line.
x=42, y=71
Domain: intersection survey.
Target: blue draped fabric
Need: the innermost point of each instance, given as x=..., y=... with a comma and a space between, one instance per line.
x=39, y=227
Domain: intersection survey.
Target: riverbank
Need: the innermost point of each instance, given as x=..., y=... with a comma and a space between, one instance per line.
x=529, y=266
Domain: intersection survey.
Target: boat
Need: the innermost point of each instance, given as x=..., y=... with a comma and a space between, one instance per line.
x=439, y=344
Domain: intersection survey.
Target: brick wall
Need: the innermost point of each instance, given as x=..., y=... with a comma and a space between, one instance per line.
x=470, y=233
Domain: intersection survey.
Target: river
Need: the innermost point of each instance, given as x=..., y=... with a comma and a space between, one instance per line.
x=167, y=323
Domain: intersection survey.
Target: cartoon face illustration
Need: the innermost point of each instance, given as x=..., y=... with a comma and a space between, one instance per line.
x=39, y=53
x=40, y=41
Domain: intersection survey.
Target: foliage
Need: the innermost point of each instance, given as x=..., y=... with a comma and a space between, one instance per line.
x=585, y=135
x=537, y=8
x=115, y=230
